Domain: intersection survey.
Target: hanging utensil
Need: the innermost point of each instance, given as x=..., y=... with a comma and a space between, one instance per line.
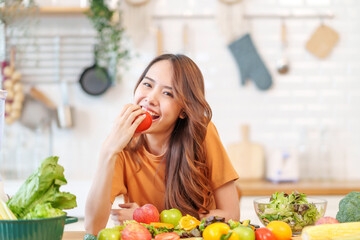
x=159, y=41
x=322, y=41
x=185, y=38
x=95, y=80
x=283, y=63
x=64, y=110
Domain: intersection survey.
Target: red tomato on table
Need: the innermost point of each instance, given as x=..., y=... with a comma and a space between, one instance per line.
x=264, y=234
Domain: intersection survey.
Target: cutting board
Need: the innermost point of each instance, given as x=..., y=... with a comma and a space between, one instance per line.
x=248, y=158
x=322, y=41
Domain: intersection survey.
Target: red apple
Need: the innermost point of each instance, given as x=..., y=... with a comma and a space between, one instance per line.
x=326, y=220
x=146, y=214
x=135, y=231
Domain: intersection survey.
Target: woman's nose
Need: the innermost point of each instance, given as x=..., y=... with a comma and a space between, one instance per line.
x=152, y=97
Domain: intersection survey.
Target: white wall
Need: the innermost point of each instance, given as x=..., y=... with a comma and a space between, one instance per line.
x=316, y=94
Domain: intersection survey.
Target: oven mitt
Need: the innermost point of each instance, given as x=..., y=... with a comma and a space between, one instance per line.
x=249, y=62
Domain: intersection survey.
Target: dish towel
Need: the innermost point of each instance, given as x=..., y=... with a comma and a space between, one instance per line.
x=249, y=62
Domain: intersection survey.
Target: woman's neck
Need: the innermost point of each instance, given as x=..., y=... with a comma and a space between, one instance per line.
x=157, y=143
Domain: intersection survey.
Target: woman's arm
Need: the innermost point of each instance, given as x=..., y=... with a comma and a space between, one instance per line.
x=227, y=203
x=98, y=203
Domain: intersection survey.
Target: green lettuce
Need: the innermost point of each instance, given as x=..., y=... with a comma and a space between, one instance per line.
x=293, y=209
x=40, y=188
x=44, y=211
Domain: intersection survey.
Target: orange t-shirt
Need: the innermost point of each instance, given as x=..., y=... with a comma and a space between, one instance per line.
x=145, y=182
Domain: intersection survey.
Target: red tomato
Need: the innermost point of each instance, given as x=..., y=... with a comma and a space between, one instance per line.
x=167, y=236
x=145, y=124
x=264, y=234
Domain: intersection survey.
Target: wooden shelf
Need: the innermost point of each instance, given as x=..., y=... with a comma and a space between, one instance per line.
x=266, y=188
x=55, y=10
x=62, y=10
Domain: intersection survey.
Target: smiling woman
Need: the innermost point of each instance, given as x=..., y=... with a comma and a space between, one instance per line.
x=178, y=162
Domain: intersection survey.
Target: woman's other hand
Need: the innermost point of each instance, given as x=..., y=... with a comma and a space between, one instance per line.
x=125, y=213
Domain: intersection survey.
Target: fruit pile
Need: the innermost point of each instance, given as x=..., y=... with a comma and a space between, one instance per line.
x=172, y=225
x=13, y=86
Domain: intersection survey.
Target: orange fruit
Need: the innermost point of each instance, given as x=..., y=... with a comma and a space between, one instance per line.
x=281, y=230
x=188, y=222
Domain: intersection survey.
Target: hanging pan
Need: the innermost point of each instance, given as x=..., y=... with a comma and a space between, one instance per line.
x=95, y=80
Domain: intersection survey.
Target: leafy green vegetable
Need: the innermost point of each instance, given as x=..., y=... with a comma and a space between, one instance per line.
x=44, y=211
x=155, y=231
x=349, y=208
x=293, y=209
x=209, y=220
x=233, y=224
x=40, y=188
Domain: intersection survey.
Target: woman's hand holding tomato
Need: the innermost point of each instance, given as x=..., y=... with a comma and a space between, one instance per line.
x=145, y=124
x=124, y=128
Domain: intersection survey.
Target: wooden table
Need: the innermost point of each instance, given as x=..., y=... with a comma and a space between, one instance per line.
x=73, y=235
x=80, y=235
x=266, y=188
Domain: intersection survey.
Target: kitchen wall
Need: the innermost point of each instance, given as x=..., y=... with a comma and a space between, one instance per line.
x=316, y=95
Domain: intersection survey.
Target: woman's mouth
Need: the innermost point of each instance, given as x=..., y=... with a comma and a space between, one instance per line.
x=154, y=116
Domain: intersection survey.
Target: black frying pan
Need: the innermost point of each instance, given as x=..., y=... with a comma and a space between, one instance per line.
x=95, y=80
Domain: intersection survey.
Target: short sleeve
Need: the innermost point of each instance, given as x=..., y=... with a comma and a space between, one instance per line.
x=220, y=166
x=118, y=186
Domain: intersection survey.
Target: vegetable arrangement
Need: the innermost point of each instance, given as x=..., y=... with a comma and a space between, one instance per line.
x=283, y=212
x=173, y=226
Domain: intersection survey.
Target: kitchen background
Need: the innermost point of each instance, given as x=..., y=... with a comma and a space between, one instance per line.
x=310, y=115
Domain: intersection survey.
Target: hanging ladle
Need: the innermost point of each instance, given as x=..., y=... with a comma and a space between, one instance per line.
x=283, y=63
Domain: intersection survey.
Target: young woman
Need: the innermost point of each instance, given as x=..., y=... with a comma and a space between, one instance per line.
x=179, y=162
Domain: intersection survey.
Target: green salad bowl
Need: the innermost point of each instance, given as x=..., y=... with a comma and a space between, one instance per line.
x=35, y=229
x=297, y=216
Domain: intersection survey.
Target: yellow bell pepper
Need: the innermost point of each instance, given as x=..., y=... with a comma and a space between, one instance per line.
x=219, y=231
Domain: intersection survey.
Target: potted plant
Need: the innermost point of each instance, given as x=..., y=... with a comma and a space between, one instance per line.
x=110, y=50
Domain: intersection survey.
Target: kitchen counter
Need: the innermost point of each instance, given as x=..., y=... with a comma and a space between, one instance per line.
x=79, y=236
x=74, y=235
x=266, y=188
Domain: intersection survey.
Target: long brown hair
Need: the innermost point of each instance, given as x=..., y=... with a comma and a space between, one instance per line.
x=186, y=175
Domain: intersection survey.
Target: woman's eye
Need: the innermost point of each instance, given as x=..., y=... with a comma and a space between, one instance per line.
x=169, y=94
x=146, y=84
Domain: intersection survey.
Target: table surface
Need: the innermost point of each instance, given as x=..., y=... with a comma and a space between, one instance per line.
x=79, y=235
x=266, y=188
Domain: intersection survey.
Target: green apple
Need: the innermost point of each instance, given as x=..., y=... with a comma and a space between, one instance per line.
x=109, y=234
x=244, y=233
x=171, y=216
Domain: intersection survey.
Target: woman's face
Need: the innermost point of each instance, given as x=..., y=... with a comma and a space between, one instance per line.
x=155, y=94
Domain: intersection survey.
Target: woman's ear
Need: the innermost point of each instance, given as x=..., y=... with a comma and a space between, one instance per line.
x=182, y=114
